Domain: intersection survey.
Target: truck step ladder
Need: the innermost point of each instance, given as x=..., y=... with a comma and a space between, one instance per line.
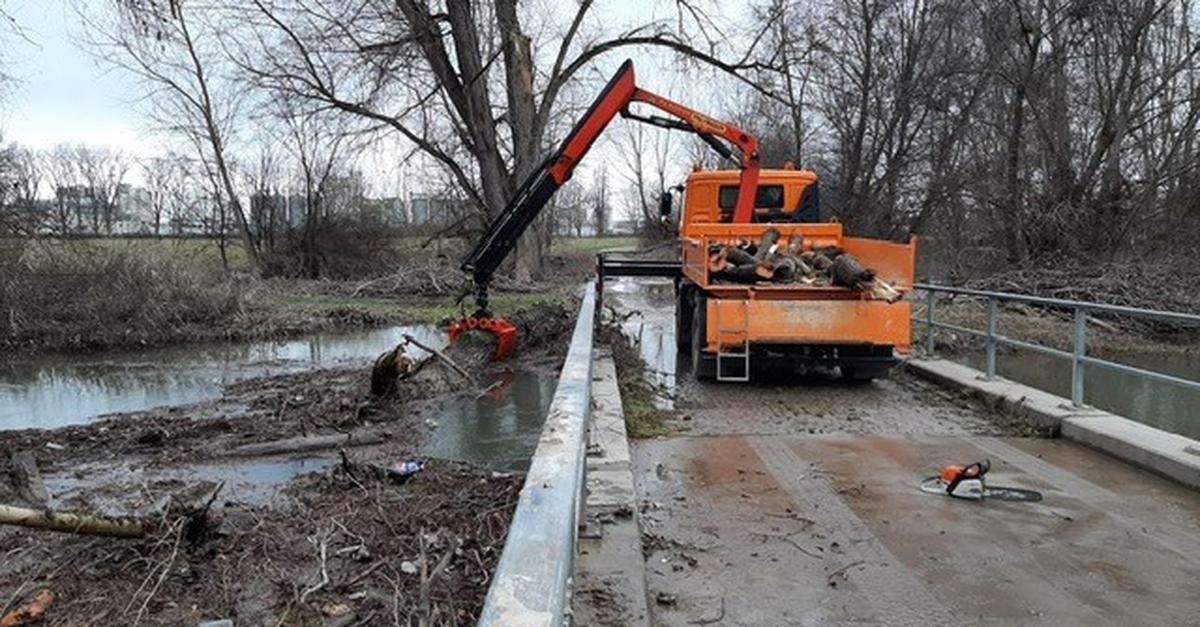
x=741, y=334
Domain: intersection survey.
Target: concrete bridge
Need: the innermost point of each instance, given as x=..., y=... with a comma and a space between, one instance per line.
x=798, y=505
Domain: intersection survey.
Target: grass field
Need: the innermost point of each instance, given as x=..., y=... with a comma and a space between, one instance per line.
x=205, y=254
x=419, y=309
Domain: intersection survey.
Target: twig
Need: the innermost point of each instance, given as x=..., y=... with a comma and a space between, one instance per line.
x=440, y=355
x=323, y=552
x=844, y=569
x=166, y=570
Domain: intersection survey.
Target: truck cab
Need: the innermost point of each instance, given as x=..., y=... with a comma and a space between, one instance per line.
x=731, y=328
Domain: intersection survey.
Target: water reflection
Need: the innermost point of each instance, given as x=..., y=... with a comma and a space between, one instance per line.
x=1162, y=405
x=59, y=390
x=500, y=427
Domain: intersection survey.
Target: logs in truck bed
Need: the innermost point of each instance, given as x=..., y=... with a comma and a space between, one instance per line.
x=768, y=261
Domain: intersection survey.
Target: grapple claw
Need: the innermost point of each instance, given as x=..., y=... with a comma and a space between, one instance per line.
x=505, y=332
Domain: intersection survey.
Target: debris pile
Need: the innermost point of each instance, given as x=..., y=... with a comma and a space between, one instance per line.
x=772, y=261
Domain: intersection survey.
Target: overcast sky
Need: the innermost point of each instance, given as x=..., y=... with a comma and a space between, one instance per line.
x=67, y=96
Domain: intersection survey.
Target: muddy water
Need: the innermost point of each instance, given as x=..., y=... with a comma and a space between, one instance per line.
x=499, y=428
x=650, y=327
x=1163, y=405
x=54, y=391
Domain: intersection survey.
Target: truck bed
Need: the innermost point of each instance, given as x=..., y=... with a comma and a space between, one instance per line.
x=892, y=262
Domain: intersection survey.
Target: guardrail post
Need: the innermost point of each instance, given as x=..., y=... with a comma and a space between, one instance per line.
x=991, y=337
x=930, y=298
x=1079, y=347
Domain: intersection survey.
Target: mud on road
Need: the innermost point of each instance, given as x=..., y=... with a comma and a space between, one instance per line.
x=348, y=544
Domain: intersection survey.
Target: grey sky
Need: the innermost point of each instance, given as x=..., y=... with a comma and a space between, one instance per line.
x=65, y=96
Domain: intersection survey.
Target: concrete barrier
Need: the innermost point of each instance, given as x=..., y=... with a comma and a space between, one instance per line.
x=1167, y=454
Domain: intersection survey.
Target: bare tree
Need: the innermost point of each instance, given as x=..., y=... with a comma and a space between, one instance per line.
x=646, y=158
x=601, y=207
x=460, y=84
x=173, y=47
x=102, y=171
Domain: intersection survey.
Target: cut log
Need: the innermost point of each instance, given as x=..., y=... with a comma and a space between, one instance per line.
x=848, y=272
x=90, y=524
x=738, y=257
x=832, y=252
x=768, y=245
x=27, y=480
x=740, y=274
x=795, y=245
x=718, y=260
x=821, y=263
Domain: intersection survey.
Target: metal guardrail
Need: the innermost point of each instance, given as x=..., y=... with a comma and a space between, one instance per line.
x=532, y=584
x=1078, y=354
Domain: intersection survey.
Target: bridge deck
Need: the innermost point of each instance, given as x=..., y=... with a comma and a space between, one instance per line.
x=788, y=505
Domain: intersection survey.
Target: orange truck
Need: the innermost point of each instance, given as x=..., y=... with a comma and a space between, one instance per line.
x=730, y=328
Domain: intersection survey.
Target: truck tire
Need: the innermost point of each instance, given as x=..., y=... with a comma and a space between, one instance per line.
x=685, y=295
x=703, y=367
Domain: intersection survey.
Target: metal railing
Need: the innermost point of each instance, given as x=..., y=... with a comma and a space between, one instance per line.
x=532, y=584
x=1078, y=353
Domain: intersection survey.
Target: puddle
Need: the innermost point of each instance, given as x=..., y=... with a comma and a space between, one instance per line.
x=58, y=390
x=254, y=481
x=651, y=331
x=500, y=428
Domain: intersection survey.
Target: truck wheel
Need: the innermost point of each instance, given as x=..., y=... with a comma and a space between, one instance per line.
x=684, y=311
x=704, y=368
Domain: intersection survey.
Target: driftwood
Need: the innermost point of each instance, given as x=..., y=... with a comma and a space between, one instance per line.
x=389, y=368
x=442, y=356
x=27, y=480
x=69, y=522
x=303, y=444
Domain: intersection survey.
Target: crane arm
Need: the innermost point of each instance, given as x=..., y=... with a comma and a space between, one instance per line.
x=541, y=185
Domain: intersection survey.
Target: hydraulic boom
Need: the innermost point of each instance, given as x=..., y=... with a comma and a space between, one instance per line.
x=540, y=186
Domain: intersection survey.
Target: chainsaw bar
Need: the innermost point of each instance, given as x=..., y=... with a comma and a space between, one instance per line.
x=934, y=485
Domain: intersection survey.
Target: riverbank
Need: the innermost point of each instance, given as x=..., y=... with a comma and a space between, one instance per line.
x=350, y=543
x=127, y=295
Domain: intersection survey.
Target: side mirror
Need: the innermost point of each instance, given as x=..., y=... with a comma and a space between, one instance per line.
x=665, y=203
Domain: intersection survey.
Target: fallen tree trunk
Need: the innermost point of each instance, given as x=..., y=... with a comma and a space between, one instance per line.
x=91, y=524
x=305, y=443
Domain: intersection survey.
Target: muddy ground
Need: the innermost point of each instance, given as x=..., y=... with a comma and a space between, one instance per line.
x=351, y=544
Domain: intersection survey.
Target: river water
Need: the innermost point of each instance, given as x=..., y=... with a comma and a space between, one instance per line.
x=1162, y=405
x=499, y=429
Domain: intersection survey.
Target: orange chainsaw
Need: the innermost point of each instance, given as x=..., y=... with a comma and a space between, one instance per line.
x=966, y=482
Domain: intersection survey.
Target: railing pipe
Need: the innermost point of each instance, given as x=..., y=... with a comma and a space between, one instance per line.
x=532, y=583
x=1077, y=355
x=991, y=337
x=930, y=328
x=1079, y=351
